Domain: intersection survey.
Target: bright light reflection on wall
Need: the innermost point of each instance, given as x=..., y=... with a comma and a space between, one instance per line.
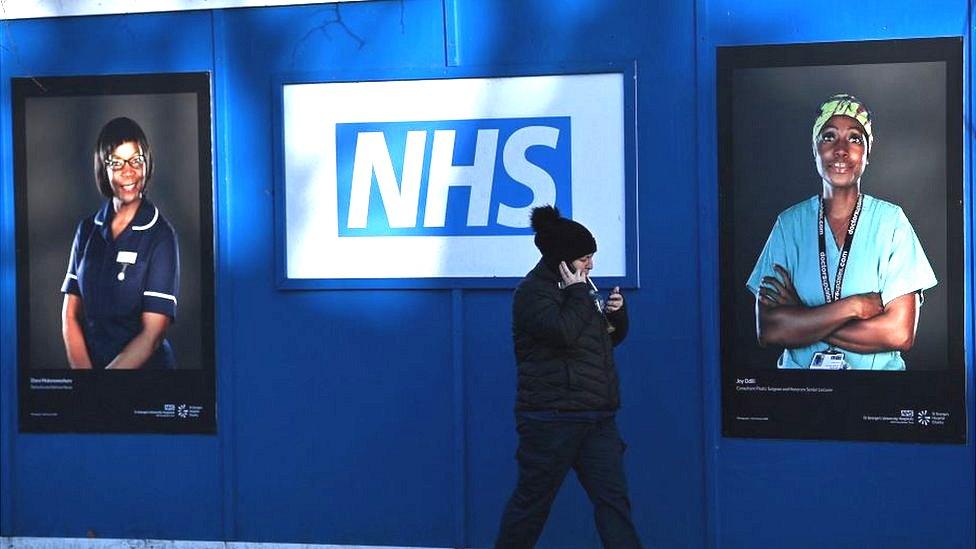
x=36, y=9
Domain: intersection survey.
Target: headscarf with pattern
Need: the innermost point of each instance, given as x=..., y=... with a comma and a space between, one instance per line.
x=844, y=104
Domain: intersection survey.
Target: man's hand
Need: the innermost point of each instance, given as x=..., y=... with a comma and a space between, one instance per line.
x=615, y=301
x=570, y=277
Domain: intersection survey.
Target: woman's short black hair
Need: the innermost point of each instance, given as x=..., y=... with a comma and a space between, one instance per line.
x=114, y=133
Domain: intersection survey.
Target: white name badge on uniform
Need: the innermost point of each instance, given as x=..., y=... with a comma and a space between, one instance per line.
x=126, y=259
x=828, y=360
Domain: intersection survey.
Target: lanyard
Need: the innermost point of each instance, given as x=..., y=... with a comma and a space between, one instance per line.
x=844, y=254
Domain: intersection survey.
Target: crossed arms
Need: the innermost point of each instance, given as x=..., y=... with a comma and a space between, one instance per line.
x=858, y=323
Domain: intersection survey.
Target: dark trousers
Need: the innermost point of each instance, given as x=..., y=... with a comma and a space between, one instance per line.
x=546, y=451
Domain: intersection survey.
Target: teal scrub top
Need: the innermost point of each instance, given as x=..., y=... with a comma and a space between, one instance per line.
x=886, y=257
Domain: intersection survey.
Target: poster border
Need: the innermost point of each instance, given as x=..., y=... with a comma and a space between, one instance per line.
x=200, y=381
x=948, y=50
x=628, y=69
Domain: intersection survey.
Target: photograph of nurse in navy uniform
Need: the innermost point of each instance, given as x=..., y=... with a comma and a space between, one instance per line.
x=122, y=283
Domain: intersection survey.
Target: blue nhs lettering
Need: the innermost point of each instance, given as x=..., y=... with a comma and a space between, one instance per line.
x=450, y=177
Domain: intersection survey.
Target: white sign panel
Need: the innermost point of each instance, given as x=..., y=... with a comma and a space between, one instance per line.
x=436, y=178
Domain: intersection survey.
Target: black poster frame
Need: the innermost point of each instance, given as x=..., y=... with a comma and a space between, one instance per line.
x=55, y=399
x=761, y=401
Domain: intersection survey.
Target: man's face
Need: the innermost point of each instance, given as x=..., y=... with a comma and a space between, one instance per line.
x=584, y=264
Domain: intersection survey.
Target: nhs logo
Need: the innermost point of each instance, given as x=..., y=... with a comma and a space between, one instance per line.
x=435, y=178
x=450, y=177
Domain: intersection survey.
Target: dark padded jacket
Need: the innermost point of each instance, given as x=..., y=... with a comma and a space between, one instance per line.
x=562, y=346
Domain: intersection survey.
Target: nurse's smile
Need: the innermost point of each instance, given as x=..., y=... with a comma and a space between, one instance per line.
x=127, y=172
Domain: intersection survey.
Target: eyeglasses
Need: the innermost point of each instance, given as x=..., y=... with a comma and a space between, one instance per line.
x=138, y=161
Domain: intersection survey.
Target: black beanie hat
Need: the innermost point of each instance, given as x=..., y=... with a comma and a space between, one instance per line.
x=558, y=238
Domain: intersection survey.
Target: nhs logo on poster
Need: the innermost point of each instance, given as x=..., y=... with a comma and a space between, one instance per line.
x=421, y=179
x=450, y=177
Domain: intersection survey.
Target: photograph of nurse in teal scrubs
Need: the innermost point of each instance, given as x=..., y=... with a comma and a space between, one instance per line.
x=840, y=281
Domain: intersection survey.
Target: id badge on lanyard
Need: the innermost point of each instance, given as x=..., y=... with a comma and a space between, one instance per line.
x=833, y=359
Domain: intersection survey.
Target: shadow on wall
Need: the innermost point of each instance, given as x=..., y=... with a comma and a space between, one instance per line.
x=513, y=33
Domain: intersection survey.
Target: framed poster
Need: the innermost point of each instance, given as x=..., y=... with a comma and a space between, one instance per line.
x=842, y=241
x=114, y=216
x=425, y=179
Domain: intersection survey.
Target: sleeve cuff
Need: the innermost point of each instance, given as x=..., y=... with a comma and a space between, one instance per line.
x=70, y=285
x=159, y=302
x=888, y=295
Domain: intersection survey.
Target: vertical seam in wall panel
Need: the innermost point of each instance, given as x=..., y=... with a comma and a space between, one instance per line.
x=967, y=151
x=460, y=418
x=8, y=310
x=226, y=388
x=635, y=89
x=707, y=269
x=451, y=57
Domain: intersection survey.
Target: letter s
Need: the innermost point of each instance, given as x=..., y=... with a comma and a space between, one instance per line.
x=532, y=176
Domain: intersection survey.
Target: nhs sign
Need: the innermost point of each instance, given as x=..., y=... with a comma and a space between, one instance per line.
x=450, y=177
x=419, y=179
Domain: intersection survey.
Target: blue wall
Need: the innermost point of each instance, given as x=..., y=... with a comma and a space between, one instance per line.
x=384, y=417
x=833, y=494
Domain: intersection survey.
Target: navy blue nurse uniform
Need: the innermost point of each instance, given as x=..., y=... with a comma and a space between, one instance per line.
x=118, y=279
